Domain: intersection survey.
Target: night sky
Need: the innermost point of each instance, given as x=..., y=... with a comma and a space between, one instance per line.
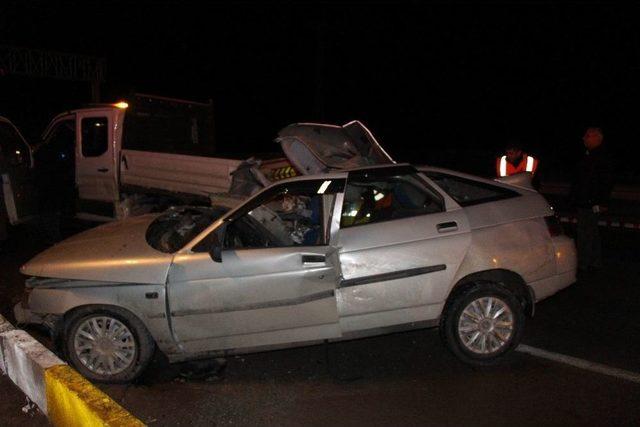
x=439, y=83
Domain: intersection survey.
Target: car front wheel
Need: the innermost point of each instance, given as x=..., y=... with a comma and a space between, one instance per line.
x=483, y=323
x=107, y=345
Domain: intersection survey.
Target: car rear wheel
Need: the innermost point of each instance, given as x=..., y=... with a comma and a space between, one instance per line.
x=107, y=345
x=483, y=323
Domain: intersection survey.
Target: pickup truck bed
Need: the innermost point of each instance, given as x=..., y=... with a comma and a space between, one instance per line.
x=176, y=172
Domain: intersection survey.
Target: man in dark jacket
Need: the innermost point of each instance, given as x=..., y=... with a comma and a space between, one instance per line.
x=590, y=194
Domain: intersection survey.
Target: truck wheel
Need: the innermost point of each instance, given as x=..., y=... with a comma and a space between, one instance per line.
x=107, y=345
x=482, y=324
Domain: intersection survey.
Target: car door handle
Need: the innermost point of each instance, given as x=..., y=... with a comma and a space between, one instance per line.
x=446, y=227
x=308, y=259
x=103, y=170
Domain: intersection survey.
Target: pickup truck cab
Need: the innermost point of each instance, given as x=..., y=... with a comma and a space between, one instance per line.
x=122, y=157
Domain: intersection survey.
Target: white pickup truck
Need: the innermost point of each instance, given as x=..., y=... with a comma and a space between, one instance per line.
x=115, y=156
x=115, y=160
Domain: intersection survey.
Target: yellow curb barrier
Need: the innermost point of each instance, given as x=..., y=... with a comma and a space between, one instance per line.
x=61, y=393
x=74, y=401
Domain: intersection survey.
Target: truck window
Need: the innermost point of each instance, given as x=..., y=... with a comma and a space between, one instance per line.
x=58, y=146
x=95, y=136
x=168, y=127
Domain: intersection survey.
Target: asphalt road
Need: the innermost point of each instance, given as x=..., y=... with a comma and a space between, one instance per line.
x=406, y=378
x=15, y=409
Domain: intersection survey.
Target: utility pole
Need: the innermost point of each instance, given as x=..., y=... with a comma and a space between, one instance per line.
x=56, y=65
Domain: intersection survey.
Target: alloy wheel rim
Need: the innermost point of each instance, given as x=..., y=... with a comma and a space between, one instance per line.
x=486, y=325
x=104, y=345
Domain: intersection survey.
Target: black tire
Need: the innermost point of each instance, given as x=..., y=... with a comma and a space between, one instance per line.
x=450, y=322
x=144, y=344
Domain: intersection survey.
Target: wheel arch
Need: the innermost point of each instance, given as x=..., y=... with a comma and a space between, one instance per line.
x=58, y=302
x=507, y=278
x=99, y=306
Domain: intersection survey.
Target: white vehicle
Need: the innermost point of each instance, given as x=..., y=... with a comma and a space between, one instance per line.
x=115, y=157
x=118, y=160
x=340, y=254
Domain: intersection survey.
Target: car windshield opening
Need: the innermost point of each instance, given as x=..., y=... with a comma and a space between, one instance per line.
x=178, y=226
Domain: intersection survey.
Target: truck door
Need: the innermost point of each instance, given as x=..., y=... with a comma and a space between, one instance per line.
x=55, y=166
x=17, y=196
x=96, y=171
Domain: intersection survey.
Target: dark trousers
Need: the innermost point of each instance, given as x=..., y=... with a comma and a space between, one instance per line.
x=4, y=218
x=588, y=239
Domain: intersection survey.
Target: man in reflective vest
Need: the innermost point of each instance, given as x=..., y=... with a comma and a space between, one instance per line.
x=515, y=161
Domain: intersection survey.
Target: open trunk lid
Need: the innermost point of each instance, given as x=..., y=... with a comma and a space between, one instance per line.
x=319, y=148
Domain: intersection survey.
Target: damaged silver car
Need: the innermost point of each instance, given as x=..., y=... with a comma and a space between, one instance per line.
x=347, y=252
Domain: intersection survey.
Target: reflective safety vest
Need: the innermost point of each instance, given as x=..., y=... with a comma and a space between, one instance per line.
x=527, y=164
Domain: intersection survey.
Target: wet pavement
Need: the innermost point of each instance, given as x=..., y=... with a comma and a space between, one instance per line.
x=406, y=378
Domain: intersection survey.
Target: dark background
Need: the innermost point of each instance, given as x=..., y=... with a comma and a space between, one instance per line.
x=439, y=83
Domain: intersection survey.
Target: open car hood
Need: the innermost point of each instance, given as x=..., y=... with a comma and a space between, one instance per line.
x=319, y=148
x=114, y=252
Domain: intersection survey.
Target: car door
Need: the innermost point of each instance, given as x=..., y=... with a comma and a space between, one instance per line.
x=275, y=284
x=16, y=175
x=401, y=243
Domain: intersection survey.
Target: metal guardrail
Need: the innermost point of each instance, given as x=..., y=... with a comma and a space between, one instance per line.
x=624, y=213
x=619, y=192
x=606, y=222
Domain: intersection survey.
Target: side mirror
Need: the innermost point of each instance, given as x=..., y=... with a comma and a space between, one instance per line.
x=215, y=251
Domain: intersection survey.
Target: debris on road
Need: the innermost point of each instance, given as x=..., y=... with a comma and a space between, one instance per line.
x=208, y=370
x=30, y=408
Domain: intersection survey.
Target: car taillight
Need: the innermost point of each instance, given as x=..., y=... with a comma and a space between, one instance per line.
x=553, y=225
